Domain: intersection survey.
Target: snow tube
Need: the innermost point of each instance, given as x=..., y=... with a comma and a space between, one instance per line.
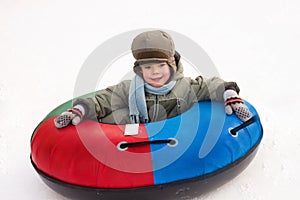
x=180, y=157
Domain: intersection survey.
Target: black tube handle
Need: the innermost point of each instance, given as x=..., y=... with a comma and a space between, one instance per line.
x=135, y=144
x=243, y=125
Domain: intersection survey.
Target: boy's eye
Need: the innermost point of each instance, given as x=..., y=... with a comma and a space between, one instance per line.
x=162, y=64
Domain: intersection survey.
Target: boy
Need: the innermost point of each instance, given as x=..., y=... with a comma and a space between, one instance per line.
x=157, y=92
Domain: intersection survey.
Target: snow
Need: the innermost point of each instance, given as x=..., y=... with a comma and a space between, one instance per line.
x=43, y=45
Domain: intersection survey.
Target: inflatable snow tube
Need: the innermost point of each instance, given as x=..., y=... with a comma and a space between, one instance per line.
x=180, y=157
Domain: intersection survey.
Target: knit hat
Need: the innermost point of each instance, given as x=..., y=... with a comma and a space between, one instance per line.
x=153, y=46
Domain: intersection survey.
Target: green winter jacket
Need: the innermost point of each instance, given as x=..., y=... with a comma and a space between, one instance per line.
x=110, y=105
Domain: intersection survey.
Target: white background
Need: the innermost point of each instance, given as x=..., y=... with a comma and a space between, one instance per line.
x=43, y=45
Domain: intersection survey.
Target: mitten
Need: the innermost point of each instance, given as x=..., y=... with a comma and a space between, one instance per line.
x=73, y=115
x=233, y=103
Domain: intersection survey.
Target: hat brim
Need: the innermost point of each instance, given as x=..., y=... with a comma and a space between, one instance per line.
x=149, y=60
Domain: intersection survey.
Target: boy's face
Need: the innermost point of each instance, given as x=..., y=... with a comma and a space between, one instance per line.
x=156, y=74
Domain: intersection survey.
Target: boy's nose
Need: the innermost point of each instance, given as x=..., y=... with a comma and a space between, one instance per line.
x=155, y=70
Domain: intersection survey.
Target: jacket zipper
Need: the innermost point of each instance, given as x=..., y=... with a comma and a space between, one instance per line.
x=156, y=109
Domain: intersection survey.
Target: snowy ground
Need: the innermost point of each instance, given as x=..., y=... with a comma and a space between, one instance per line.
x=43, y=45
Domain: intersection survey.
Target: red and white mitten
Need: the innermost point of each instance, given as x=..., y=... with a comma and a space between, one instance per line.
x=234, y=104
x=73, y=115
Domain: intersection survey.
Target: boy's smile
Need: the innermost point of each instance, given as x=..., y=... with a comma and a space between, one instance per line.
x=156, y=74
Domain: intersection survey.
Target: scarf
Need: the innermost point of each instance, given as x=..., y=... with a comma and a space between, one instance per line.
x=137, y=100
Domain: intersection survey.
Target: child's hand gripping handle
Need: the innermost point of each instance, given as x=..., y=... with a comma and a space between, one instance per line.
x=73, y=115
x=233, y=103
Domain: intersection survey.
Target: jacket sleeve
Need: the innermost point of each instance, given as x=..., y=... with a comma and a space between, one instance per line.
x=105, y=101
x=212, y=88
